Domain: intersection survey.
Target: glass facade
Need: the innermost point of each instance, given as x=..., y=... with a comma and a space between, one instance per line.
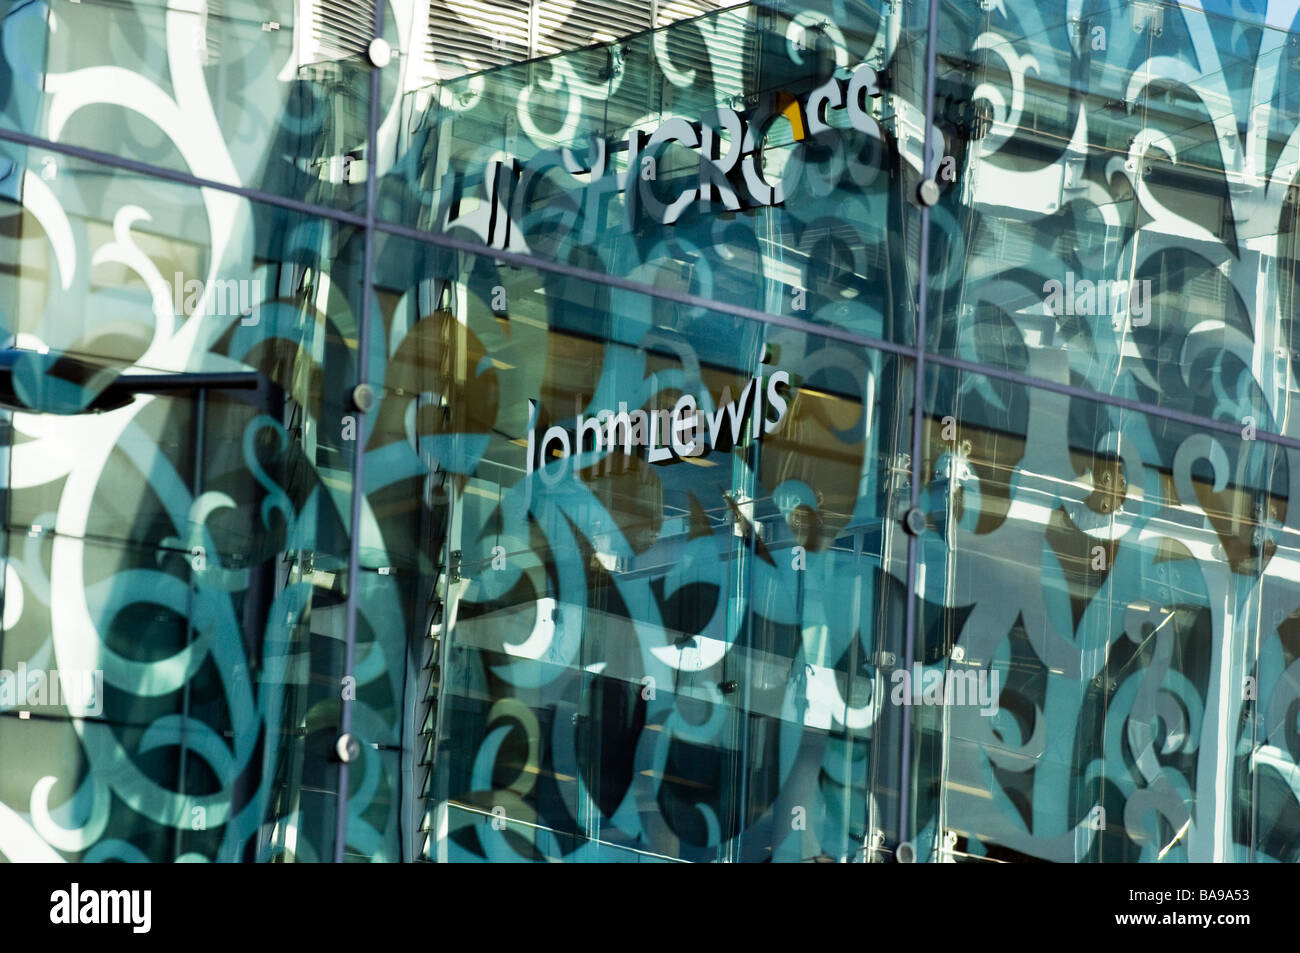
x=834, y=431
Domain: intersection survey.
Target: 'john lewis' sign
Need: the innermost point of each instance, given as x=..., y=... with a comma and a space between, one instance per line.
x=685, y=431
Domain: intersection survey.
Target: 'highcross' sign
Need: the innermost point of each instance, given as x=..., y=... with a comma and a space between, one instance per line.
x=730, y=168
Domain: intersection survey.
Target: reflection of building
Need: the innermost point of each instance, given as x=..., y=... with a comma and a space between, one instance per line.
x=367, y=574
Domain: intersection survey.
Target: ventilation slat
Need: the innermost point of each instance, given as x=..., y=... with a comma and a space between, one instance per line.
x=466, y=36
x=341, y=28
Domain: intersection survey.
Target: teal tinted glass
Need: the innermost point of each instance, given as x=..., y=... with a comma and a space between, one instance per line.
x=501, y=433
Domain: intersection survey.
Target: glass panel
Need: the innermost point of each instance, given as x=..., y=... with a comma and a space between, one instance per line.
x=1265, y=804
x=1117, y=206
x=633, y=654
x=1096, y=591
x=758, y=156
x=177, y=501
x=270, y=96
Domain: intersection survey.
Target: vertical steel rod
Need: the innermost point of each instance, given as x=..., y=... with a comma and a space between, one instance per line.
x=918, y=408
x=359, y=456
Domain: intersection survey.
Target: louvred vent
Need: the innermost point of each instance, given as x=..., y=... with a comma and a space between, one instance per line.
x=342, y=29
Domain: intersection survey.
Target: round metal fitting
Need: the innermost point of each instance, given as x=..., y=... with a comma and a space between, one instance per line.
x=379, y=53
x=914, y=521
x=348, y=748
x=363, y=397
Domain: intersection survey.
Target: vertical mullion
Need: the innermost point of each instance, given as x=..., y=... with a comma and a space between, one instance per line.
x=918, y=409
x=359, y=457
